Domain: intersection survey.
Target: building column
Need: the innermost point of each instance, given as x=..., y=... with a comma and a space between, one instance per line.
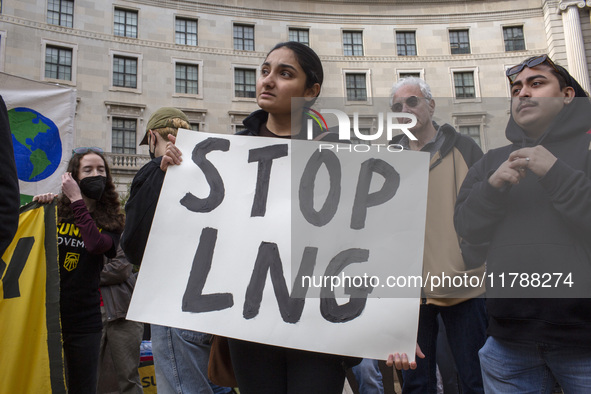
x=573, y=37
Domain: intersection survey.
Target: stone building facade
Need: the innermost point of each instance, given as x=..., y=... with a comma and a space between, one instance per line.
x=126, y=58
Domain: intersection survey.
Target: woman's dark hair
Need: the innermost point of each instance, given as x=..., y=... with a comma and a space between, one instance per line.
x=307, y=59
x=107, y=212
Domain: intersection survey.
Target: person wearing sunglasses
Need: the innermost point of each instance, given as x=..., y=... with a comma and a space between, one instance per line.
x=89, y=222
x=532, y=200
x=462, y=309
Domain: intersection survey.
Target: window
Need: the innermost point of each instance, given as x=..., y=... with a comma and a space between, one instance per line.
x=186, y=78
x=58, y=63
x=300, y=35
x=194, y=126
x=459, y=42
x=244, y=38
x=356, y=87
x=464, y=84
x=406, y=43
x=125, y=23
x=185, y=31
x=244, y=82
x=473, y=132
x=123, y=135
x=408, y=75
x=353, y=43
x=514, y=40
x=60, y=12
x=125, y=72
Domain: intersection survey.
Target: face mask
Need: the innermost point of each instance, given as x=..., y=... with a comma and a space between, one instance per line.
x=152, y=155
x=93, y=186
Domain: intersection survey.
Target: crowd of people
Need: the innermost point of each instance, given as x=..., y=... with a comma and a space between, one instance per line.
x=522, y=208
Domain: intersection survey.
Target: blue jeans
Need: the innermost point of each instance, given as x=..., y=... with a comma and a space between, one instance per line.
x=530, y=367
x=180, y=361
x=465, y=326
x=368, y=376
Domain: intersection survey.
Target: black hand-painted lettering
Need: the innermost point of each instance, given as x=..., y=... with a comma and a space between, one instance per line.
x=265, y=157
x=214, y=180
x=329, y=308
x=16, y=266
x=290, y=307
x=363, y=198
x=307, y=182
x=194, y=300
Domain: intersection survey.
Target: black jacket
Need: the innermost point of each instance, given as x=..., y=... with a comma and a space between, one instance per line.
x=541, y=226
x=8, y=183
x=255, y=120
x=140, y=209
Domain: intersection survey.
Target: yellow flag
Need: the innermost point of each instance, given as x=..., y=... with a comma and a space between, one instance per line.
x=30, y=333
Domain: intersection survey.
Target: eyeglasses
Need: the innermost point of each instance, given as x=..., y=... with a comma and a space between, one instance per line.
x=85, y=149
x=536, y=61
x=410, y=102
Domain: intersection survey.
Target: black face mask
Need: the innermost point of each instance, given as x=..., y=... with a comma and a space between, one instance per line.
x=93, y=186
x=152, y=155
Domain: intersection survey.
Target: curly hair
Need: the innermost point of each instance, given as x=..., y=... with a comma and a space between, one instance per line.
x=107, y=213
x=173, y=125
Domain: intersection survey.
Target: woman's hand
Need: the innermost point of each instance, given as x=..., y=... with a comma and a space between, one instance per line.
x=172, y=156
x=44, y=198
x=400, y=361
x=70, y=188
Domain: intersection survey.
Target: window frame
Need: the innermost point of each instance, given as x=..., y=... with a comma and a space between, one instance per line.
x=199, y=65
x=457, y=31
x=420, y=71
x=244, y=67
x=368, y=96
x=405, y=32
x=47, y=11
x=503, y=29
x=130, y=11
x=73, y=68
x=135, y=141
x=234, y=38
x=185, y=33
x=139, y=74
x=475, y=74
x=353, y=45
x=298, y=29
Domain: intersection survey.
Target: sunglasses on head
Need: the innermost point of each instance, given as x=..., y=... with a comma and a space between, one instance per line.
x=536, y=61
x=85, y=149
x=410, y=102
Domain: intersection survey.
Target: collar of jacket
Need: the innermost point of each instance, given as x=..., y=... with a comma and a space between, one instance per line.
x=450, y=136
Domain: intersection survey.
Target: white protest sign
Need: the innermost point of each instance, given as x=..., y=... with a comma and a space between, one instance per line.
x=223, y=261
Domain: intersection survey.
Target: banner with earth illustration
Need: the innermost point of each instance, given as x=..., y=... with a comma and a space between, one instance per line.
x=41, y=119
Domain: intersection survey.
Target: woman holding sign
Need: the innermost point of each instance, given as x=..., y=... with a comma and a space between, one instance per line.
x=89, y=224
x=290, y=70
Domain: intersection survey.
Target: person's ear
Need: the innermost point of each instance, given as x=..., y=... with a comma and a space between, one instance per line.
x=569, y=94
x=431, y=106
x=312, y=92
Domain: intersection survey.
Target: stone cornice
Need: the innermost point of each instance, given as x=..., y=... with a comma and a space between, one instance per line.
x=336, y=18
x=68, y=33
x=256, y=56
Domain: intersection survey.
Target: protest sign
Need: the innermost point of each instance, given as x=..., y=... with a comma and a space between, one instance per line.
x=243, y=219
